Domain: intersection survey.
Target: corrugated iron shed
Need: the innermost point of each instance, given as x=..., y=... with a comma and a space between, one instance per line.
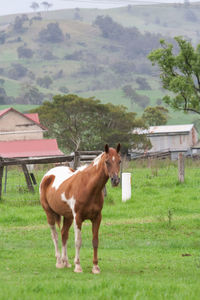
x=165, y=129
x=29, y=148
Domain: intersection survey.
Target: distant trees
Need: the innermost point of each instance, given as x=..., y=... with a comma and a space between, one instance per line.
x=35, y=6
x=142, y=83
x=17, y=71
x=154, y=116
x=51, y=34
x=24, y=52
x=134, y=97
x=64, y=89
x=46, y=5
x=18, y=25
x=3, y=37
x=45, y=81
x=133, y=42
x=86, y=124
x=179, y=73
x=30, y=95
x=3, y=96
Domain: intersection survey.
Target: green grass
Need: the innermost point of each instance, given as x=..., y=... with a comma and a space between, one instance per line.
x=143, y=253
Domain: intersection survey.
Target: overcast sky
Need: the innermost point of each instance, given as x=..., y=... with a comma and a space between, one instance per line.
x=23, y=6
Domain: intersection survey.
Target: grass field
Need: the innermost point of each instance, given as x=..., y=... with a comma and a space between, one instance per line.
x=149, y=246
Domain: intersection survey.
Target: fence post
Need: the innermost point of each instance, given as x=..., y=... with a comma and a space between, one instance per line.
x=126, y=186
x=28, y=178
x=76, y=159
x=181, y=167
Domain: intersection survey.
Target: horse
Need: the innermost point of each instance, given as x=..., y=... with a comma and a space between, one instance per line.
x=78, y=196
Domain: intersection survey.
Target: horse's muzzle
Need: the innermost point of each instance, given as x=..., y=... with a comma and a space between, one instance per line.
x=115, y=180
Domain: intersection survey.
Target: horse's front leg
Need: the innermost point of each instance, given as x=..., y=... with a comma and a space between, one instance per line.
x=78, y=243
x=95, y=242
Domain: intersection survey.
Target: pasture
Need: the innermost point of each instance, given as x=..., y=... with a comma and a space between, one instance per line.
x=149, y=246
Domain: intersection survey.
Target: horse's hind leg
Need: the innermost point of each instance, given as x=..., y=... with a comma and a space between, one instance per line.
x=51, y=218
x=65, y=233
x=78, y=242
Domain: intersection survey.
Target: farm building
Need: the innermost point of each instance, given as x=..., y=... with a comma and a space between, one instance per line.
x=21, y=135
x=172, y=138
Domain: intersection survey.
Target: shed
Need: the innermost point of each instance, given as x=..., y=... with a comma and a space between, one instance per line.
x=173, y=138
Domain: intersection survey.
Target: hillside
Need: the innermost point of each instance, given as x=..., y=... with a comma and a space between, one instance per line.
x=77, y=51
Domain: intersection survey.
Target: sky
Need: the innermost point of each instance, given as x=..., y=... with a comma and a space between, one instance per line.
x=23, y=6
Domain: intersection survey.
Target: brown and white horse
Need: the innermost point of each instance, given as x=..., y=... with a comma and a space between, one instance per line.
x=78, y=195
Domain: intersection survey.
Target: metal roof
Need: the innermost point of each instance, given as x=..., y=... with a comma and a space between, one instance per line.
x=165, y=129
x=29, y=148
x=171, y=128
x=34, y=117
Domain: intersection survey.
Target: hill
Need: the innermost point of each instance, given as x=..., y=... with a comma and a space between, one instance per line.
x=89, y=52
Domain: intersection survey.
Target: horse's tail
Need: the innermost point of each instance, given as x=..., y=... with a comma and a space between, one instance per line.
x=52, y=217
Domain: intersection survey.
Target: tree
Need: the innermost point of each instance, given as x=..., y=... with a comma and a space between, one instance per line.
x=17, y=71
x=3, y=37
x=3, y=96
x=180, y=74
x=51, y=34
x=143, y=84
x=154, y=116
x=30, y=95
x=134, y=97
x=19, y=22
x=24, y=52
x=34, y=6
x=46, y=5
x=86, y=124
x=45, y=81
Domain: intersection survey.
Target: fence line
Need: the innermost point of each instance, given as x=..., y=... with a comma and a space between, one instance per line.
x=74, y=159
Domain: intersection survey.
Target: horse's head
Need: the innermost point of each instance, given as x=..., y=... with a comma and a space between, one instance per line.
x=112, y=163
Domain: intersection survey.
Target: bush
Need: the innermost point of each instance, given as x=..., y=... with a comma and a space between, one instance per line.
x=17, y=71
x=24, y=52
x=45, y=82
x=52, y=34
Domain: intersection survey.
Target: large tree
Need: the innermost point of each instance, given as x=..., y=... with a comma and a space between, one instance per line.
x=155, y=115
x=86, y=124
x=179, y=73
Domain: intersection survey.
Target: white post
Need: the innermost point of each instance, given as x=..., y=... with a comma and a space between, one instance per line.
x=126, y=186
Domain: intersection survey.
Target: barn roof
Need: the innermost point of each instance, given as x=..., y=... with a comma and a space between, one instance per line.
x=29, y=148
x=33, y=117
x=167, y=129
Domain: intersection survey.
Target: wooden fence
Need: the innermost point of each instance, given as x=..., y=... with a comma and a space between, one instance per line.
x=75, y=160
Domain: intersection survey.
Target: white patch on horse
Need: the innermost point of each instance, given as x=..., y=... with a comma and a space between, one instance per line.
x=113, y=158
x=78, y=240
x=61, y=174
x=97, y=159
x=71, y=202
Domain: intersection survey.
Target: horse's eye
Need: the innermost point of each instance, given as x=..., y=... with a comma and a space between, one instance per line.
x=120, y=161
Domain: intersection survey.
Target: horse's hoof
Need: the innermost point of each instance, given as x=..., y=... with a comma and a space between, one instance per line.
x=59, y=265
x=96, y=270
x=78, y=269
x=67, y=264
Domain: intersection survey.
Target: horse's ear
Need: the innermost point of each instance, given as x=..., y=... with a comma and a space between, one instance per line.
x=118, y=147
x=106, y=148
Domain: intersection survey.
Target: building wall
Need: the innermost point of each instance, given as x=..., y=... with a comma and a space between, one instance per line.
x=14, y=126
x=171, y=142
